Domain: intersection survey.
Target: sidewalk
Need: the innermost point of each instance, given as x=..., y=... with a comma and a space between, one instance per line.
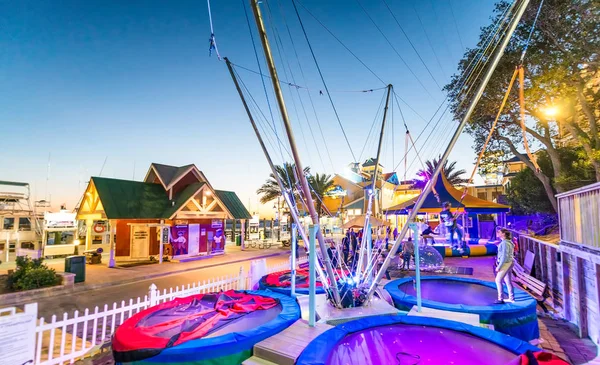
x=100, y=276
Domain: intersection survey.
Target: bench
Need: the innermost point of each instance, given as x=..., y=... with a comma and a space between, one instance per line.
x=533, y=286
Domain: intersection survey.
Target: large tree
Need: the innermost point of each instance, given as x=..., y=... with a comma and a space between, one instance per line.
x=287, y=173
x=320, y=184
x=453, y=175
x=561, y=70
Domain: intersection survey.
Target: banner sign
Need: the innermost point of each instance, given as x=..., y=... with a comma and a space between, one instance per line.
x=61, y=219
x=216, y=223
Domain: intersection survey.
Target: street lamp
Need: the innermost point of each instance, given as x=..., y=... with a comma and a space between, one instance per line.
x=551, y=111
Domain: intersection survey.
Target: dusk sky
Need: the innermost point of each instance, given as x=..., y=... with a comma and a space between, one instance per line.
x=132, y=82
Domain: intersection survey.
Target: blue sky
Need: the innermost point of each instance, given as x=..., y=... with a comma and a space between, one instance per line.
x=131, y=82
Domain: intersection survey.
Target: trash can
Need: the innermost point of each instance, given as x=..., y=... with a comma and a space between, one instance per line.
x=76, y=265
x=238, y=240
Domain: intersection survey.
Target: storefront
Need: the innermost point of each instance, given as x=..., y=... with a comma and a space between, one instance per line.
x=174, y=210
x=59, y=234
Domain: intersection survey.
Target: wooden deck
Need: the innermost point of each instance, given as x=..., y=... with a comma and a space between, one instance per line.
x=285, y=347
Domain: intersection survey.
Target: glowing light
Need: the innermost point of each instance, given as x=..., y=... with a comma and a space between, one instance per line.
x=551, y=111
x=76, y=242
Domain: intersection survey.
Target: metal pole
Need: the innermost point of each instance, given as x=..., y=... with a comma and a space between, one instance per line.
x=293, y=265
x=312, y=279
x=288, y=128
x=373, y=187
x=415, y=229
x=444, y=157
x=286, y=197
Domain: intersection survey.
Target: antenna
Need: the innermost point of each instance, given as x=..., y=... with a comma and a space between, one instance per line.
x=104, y=164
x=47, y=178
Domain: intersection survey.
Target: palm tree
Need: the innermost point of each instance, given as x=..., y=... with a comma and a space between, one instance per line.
x=320, y=185
x=270, y=189
x=452, y=175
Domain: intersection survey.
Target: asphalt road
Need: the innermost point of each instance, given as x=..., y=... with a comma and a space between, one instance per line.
x=89, y=299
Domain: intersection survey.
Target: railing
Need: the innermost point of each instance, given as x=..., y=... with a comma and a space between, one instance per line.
x=65, y=339
x=579, y=216
x=546, y=265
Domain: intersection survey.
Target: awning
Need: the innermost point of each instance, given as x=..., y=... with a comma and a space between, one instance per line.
x=448, y=193
x=359, y=222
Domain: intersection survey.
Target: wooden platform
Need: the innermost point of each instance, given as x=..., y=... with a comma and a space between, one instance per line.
x=285, y=347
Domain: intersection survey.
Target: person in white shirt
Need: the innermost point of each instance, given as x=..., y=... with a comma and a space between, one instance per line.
x=504, y=266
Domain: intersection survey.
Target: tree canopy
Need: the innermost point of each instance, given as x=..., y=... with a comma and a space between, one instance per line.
x=453, y=175
x=561, y=88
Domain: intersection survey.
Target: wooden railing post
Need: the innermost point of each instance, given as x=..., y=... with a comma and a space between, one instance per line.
x=581, y=304
x=566, y=280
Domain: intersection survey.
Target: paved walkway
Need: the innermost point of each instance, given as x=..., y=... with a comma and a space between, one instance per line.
x=101, y=275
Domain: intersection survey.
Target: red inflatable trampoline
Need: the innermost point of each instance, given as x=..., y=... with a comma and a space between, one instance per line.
x=180, y=330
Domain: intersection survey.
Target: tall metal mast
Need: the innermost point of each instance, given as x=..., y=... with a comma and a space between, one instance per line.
x=284, y=192
x=444, y=157
x=371, y=193
x=288, y=128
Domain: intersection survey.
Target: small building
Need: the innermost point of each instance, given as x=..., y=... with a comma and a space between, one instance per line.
x=173, y=204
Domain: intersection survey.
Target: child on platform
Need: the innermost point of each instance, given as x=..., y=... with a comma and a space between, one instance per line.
x=504, y=266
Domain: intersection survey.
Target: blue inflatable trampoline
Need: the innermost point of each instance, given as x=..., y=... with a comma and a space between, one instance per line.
x=411, y=340
x=518, y=319
x=204, y=329
x=281, y=282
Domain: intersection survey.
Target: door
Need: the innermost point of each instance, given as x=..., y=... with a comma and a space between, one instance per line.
x=194, y=240
x=140, y=242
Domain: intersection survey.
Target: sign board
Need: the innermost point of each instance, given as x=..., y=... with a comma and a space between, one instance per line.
x=61, y=219
x=17, y=336
x=140, y=241
x=216, y=223
x=164, y=238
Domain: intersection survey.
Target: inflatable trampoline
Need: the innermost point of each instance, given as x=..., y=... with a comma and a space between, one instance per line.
x=411, y=340
x=281, y=282
x=205, y=329
x=518, y=319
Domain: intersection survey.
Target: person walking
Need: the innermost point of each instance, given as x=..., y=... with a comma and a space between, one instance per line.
x=449, y=220
x=504, y=266
x=346, y=247
x=407, y=252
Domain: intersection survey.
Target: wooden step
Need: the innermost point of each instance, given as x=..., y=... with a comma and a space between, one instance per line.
x=257, y=361
x=285, y=347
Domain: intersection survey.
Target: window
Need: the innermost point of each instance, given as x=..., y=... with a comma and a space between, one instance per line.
x=24, y=224
x=482, y=195
x=495, y=195
x=9, y=224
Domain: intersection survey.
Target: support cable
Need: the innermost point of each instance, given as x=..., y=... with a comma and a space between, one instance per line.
x=323, y=79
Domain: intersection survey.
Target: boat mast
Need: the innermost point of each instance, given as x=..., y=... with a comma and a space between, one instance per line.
x=450, y=146
x=363, y=247
x=288, y=128
x=284, y=191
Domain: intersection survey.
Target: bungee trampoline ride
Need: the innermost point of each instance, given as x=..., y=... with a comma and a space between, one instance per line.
x=518, y=319
x=416, y=340
x=204, y=329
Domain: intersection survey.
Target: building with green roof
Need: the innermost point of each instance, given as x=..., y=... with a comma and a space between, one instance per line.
x=173, y=207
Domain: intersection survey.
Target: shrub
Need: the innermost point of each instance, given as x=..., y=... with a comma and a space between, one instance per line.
x=32, y=274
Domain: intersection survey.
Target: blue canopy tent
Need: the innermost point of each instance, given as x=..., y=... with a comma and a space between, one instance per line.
x=442, y=192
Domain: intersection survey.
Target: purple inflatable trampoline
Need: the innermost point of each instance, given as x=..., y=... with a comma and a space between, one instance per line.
x=411, y=340
x=518, y=319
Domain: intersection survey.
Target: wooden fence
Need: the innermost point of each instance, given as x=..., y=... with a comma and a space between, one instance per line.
x=66, y=338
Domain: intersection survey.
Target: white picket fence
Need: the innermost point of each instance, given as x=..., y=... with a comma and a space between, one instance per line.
x=66, y=339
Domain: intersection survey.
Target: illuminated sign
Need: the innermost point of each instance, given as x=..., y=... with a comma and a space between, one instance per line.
x=61, y=219
x=336, y=191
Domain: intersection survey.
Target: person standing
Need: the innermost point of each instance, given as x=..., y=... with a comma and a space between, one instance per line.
x=407, y=252
x=504, y=266
x=346, y=247
x=449, y=220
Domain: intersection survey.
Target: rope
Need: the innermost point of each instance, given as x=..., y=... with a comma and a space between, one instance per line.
x=212, y=42
x=489, y=137
x=394, y=49
x=411, y=44
x=537, y=15
x=522, y=119
x=323, y=80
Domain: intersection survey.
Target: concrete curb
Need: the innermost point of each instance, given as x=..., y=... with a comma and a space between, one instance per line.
x=24, y=297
